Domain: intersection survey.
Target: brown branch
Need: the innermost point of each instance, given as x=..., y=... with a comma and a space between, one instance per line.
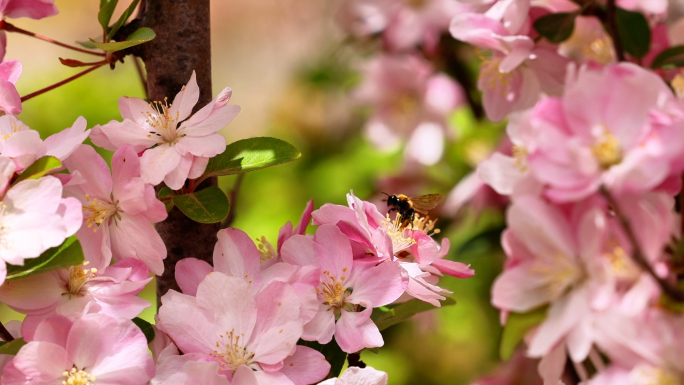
x=5, y=334
x=61, y=83
x=11, y=28
x=611, y=25
x=637, y=254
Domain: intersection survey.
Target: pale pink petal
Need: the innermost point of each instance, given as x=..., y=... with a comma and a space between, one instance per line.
x=71, y=210
x=235, y=254
x=352, y=335
x=64, y=143
x=191, y=334
x=135, y=237
x=127, y=132
x=379, y=285
x=186, y=99
x=34, y=9
x=322, y=327
x=100, y=139
x=156, y=211
x=175, y=179
x=10, y=101
x=300, y=250
x=24, y=147
x=54, y=330
x=42, y=362
x=157, y=162
x=205, y=146
x=336, y=257
x=199, y=164
x=10, y=70
x=190, y=272
x=305, y=366
x=365, y=376
x=128, y=187
x=219, y=118
x=426, y=144
x=87, y=162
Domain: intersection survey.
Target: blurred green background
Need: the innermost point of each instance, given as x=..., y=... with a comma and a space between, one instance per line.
x=291, y=75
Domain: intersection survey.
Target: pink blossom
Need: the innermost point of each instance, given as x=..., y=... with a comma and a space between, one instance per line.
x=247, y=334
x=373, y=235
x=191, y=369
x=10, y=102
x=517, y=73
x=589, y=43
x=359, y=376
x=119, y=208
x=411, y=103
x=94, y=348
x=34, y=9
x=79, y=290
x=172, y=152
x=347, y=290
x=24, y=146
x=612, y=128
x=35, y=217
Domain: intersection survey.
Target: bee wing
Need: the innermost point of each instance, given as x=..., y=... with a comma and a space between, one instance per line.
x=425, y=203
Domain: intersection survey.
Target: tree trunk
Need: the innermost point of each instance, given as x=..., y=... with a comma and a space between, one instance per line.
x=183, y=44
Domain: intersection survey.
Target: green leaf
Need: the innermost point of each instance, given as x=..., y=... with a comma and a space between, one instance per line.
x=106, y=10
x=12, y=347
x=145, y=327
x=166, y=192
x=556, y=27
x=634, y=31
x=386, y=317
x=205, y=206
x=517, y=325
x=332, y=353
x=251, y=154
x=671, y=57
x=39, y=168
x=61, y=257
x=142, y=35
x=122, y=19
x=86, y=44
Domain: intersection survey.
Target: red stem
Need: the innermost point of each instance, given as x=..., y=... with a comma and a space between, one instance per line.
x=65, y=81
x=11, y=28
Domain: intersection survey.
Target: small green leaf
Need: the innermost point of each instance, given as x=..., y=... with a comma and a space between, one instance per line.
x=122, y=19
x=12, y=347
x=39, y=168
x=86, y=44
x=332, y=353
x=251, y=154
x=385, y=318
x=142, y=35
x=145, y=327
x=556, y=27
x=517, y=325
x=634, y=31
x=67, y=255
x=671, y=57
x=106, y=10
x=205, y=206
x=166, y=192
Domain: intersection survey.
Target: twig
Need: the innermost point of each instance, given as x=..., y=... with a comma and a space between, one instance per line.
x=5, y=334
x=637, y=254
x=354, y=359
x=11, y=28
x=65, y=81
x=141, y=73
x=611, y=24
x=233, y=200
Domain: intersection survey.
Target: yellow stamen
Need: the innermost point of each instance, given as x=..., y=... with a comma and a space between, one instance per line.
x=78, y=276
x=162, y=123
x=607, y=150
x=265, y=249
x=97, y=212
x=231, y=352
x=78, y=377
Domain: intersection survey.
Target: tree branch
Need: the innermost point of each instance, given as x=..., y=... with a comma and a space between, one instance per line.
x=637, y=254
x=5, y=334
x=61, y=83
x=611, y=24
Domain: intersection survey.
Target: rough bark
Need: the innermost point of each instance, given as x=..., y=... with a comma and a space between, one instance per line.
x=183, y=44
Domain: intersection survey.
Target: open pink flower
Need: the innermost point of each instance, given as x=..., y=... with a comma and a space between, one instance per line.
x=359, y=376
x=95, y=348
x=347, y=291
x=119, y=208
x=248, y=335
x=411, y=103
x=35, y=217
x=79, y=290
x=517, y=73
x=24, y=146
x=10, y=102
x=177, y=145
x=374, y=236
x=613, y=127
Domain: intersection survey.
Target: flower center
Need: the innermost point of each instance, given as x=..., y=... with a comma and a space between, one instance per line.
x=520, y=154
x=607, y=150
x=15, y=128
x=653, y=376
x=231, y=353
x=425, y=224
x=162, y=123
x=417, y=4
x=396, y=232
x=265, y=249
x=77, y=377
x=332, y=290
x=493, y=79
x=558, y=271
x=78, y=276
x=678, y=85
x=99, y=211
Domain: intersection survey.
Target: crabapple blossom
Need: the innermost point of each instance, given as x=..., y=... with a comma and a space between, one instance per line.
x=24, y=146
x=359, y=376
x=348, y=290
x=78, y=290
x=95, y=348
x=176, y=145
x=373, y=235
x=119, y=208
x=34, y=216
x=10, y=70
x=410, y=102
x=33, y=9
x=247, y=334
x=517, y=73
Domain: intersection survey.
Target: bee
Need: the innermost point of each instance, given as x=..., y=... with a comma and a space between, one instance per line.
x=407, y=207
